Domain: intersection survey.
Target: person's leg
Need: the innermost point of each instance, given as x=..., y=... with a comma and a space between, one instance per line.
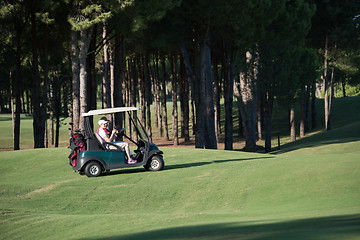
x=125, y=146
x=127, y=150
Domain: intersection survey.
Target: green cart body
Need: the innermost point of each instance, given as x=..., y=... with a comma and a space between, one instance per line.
x=101, y=156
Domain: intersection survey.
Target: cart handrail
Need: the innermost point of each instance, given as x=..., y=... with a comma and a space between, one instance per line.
x=109, y=111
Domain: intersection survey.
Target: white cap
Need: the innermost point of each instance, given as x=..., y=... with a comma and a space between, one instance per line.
x=102, y=121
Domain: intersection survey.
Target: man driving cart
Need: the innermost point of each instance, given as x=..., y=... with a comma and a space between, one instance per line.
x=101, y=154
x=104, y=133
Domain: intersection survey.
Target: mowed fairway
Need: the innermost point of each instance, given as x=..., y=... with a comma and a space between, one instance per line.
x=201, y=194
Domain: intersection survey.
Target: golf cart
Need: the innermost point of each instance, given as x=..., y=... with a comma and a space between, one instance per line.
x=91, y=155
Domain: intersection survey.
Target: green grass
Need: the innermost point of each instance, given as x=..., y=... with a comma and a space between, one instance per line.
x=201, y=194
x=26, y=132
x=309, y=189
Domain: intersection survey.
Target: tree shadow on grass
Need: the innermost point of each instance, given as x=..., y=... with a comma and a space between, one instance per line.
x=299, y=144
x=344, y=134
x=124, y=171
x=179, y=166
x=198, y=164
x=336, y=227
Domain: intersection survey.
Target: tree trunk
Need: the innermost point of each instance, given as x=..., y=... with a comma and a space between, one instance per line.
x=154, y=82
x=260, y=115
x=163, y=100
x=119, y=70
x=56, y=106
x=269, y=100
x=307, y=108
x=51, y=128
x=246, y=93
x=157, y=117
x=199, y=94
x=112, y=79
x=128, y=83
x=228, y=69
x=91, y=88
x=325, y=83
x=331, y=100
x=84, y=46
x=343, y=84
x=12, y=106
x=15, y=114
x=318, y=90
x=75, y=110
x=18, y=89
x=173, y=61
x=292, y=125
x=302, y=113
x=241, y=128
x=191, y=80
x=184, y=100
x=2, y=103
x=205, y=119
x=38, y=128
x=57, y=133
x=186, y=110
x=181, y=96
x=91, y=76
x=217, y=100
x=44, y=101
x=106, y=71
x=65, y=96
x=313, y=107
x=142, y=86
x=193, y=116
x=133, y=93
x=148, y=95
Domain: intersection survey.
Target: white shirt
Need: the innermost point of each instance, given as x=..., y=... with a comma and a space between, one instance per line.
x=103, y=134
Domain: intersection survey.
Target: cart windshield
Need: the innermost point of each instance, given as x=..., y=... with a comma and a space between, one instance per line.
x=139, y=128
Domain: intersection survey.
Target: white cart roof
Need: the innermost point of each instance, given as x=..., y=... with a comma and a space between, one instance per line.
x=109, y=111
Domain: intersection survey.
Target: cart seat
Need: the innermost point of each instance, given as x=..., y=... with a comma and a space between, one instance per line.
x=107, y=145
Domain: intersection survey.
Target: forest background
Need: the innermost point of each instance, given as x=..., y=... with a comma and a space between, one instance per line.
x=60, y=58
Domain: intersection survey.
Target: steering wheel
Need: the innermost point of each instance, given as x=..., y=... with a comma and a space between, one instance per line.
x=122, y=132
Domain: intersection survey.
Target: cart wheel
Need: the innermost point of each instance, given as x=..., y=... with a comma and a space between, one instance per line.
x=156, y=163
x=93, y=169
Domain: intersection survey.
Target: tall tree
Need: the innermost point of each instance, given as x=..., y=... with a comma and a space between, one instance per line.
x=42, y=20
x=82, y=22
x=12, y=50
x=330, y=23
x=163, y=98
x=242, y=25
x=246, y=93
x=282, y=64
x=174, y=93
x=38, y=122
x=205, y=135
x=106, y=69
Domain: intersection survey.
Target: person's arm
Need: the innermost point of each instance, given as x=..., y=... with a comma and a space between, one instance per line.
x=105, y=136
x=113, y=135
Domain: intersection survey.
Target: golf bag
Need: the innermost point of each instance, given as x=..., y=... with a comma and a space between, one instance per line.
x=77, y=144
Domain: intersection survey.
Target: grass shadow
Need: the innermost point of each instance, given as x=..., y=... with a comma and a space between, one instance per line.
x=198, y=164
x=345, y=134
x=334, y=227
x=241, y=159
x=178, y=166
x=124, y=171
